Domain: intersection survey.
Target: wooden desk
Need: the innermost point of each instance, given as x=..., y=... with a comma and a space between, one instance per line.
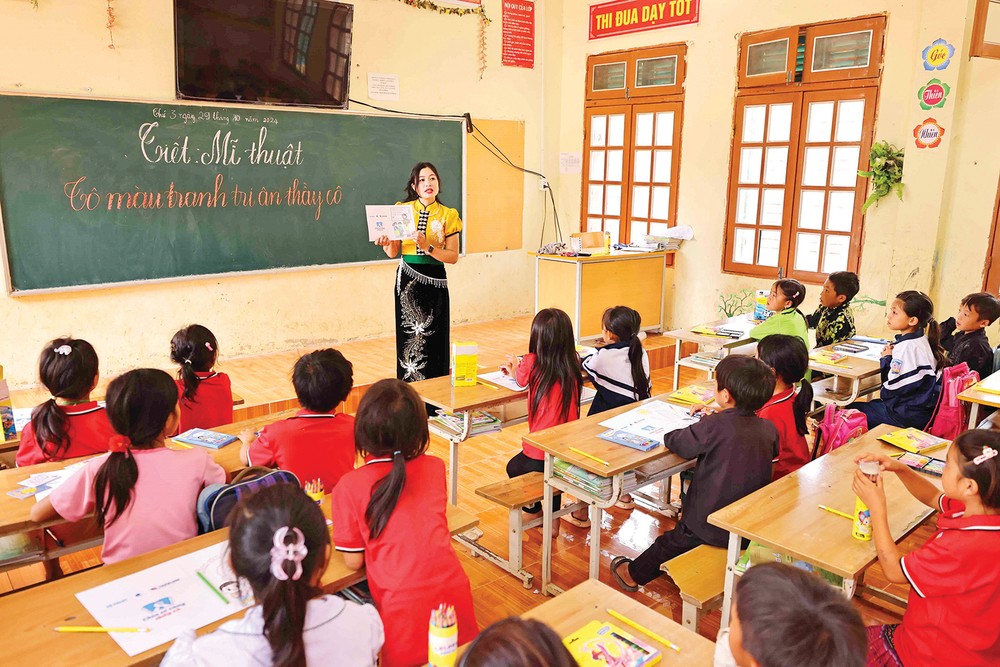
x=974, y=397
x=786, y=517
x=590, y=600
x=583, y=434
x=440, y=393
x=848, y=380
x=30, y=615
x=740, y=322
x=584, y=287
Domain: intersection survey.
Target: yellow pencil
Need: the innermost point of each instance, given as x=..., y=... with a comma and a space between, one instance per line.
x=837, y=512
x=628, y=621
x=485, y=384
x=589, y=456
x=95, y=628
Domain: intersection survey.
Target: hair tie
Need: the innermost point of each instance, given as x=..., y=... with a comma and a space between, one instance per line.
x=294, y=551
x=119, y=444
x=187, y=361
x=209, y=346
x=64, y=350
x=988, y=453
x=396, y=453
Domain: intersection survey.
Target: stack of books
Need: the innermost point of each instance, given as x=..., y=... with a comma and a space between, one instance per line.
x=452, y=422
x=914, y=440
x=702, y=393
x=706, y=359
x=588, y=481
x=827, y=357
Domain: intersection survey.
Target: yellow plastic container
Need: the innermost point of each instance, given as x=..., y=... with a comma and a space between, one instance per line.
x=442, y=646
x=862, y=515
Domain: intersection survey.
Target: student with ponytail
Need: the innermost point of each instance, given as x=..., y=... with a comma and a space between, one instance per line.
x=788, y=407
x=620, y=369
x=69, y=424
x=280, y=545
x=142, y=494
x=206, y=395
x=911, y=365
x=784, y=300
x=390, y=518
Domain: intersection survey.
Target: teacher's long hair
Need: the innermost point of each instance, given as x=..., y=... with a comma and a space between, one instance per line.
x=411, y=194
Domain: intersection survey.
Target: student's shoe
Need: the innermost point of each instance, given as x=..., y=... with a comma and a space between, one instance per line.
x=616, y=563
x=625, y=502
x=576, y=521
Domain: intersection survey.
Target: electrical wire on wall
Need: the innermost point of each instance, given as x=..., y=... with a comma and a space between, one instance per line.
x=496, y=152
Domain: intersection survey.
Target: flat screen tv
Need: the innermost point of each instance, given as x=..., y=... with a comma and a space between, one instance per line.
x=264, y=51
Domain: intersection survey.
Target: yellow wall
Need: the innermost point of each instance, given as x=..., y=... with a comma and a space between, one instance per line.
x=935, y=239
x=950, y=190
x=61, y=48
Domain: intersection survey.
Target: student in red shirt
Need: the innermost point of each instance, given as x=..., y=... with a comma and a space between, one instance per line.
x=952, y=614
x=318, y=442
x=69, y=424
x=390, y=518
x=551, y=372
x=206, y=395
x=787, y=408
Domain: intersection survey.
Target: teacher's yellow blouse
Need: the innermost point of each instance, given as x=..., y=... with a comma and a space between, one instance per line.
x=442, y=222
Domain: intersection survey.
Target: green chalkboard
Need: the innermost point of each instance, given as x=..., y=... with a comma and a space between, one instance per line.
x=98, y=192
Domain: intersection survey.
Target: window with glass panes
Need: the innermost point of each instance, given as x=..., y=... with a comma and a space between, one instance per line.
x=631, y=158
x=795, y=195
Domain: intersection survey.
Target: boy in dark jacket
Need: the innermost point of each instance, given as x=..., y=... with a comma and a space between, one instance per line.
x=734, y=448
x=964, y=337
x=833, y=320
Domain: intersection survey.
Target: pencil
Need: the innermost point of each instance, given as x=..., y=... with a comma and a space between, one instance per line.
x=628, y=621
x=837, y=512
x=485, y=384
x=56, y=539
x=214, y=589
x=589, y=456
x=95, y=628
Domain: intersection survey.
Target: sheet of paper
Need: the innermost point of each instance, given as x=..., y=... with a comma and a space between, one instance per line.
x=396, y=222
x=874, y=351
x=21, y=418
x=500, y=379
x=53, y=479
x=990, y=384
x=167, y=598
x=652, y=420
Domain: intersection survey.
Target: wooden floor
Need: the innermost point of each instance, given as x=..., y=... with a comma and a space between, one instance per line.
x=265, y=384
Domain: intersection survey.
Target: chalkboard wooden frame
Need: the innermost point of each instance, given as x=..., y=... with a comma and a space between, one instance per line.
x=451, y=130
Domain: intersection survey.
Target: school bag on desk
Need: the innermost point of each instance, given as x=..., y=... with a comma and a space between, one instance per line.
x=839, y=427
x=216, y=501
x=949, y=418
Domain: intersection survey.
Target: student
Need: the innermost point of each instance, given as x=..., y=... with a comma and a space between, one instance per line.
x=551, y=372
x=293, y=622
x=390, y=518
x=833, y=319
x=784, y=300
x=206, y=395
x=141, y=493
x=954, y=602
x=785, y=617
x=964, y=337
x=734, y=448
x=517, y=642
x=787, y=408
x=620, y=369
x=910, y=365
x=69, y=424
x=318, y=442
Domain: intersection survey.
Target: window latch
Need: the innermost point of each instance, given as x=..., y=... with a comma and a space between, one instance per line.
x=781, y=272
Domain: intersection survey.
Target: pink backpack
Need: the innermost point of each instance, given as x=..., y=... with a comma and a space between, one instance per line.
x=949, y=418
x=839, y=427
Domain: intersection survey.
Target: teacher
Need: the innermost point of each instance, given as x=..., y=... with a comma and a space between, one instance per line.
x=423, y=311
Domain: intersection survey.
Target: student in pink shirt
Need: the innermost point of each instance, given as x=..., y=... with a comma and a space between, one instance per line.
x=142, y=494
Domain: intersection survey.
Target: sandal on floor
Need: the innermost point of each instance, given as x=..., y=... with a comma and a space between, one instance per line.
x=616, y=563
x=579, y=523
x=625, y=504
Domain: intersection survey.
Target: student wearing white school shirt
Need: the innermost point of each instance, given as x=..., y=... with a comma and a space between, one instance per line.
x=279, y=543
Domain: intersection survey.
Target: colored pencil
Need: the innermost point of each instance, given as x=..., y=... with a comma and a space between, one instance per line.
x=214, y=589
x=589, y=456
x=95, y=628
x=837, y=512
x=628, y=621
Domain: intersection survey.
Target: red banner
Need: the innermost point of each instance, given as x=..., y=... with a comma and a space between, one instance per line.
x=620, y=17
x=518, y=34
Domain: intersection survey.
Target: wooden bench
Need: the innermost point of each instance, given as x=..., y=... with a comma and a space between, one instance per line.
x=512, y=494
x=700, y=574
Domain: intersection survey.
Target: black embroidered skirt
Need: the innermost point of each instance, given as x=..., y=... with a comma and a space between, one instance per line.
x=423, y=322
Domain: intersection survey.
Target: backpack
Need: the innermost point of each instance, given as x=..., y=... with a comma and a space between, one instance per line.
x=216, y=501
x=949, y=418
x=839, y=427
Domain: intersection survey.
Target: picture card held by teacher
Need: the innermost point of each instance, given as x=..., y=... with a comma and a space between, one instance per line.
x=396, y=222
